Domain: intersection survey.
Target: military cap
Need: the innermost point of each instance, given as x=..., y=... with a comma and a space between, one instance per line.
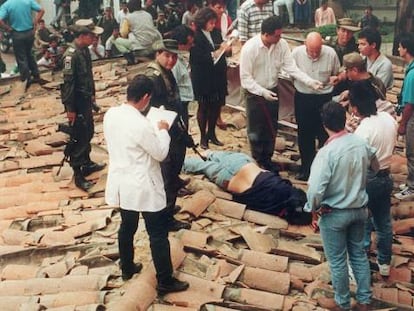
x=168, y=45
x=347, y=23
x=84, y=26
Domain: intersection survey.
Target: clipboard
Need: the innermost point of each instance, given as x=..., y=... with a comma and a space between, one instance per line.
x=155, y=115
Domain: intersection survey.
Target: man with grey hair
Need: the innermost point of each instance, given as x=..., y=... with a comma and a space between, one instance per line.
x=320, y=62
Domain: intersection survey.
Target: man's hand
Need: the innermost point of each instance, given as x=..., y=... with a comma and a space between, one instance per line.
x=314, y=223
x=270, y=96
x=71, y=117
x=402, y=129
x=163, y=125
x=316, y=85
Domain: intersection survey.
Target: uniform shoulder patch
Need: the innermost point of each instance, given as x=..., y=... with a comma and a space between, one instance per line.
x=68, y=62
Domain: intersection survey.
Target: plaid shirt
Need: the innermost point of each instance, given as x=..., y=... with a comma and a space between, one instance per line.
x=251, y=17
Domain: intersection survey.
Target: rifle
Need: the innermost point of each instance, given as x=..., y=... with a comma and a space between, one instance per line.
x=70, y=144
x=189, y=141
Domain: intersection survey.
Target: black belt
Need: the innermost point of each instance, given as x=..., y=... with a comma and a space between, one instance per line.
x=383, y=173
x=326, y=209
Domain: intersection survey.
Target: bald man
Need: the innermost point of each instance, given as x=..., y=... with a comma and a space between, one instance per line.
x=320, y=62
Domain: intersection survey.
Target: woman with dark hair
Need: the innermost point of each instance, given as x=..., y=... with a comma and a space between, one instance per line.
x=208, y=67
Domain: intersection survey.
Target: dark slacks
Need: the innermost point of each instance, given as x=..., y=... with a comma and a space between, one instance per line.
x=262, y=118
x=308, y=118
x=22, y=47
x=156, y=224
x=170, y=169
x=83, y=133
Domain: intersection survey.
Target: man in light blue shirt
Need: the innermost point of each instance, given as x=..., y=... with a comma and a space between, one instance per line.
x=337, y=194
x=22, y=27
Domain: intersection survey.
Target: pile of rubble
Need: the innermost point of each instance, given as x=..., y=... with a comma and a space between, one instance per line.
x=59, y=244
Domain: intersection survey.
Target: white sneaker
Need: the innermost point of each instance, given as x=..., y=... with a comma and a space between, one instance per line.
x=402, y=187
x=406, y=194
x=384, y=269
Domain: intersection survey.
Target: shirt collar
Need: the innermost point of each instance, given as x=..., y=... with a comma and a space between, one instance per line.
x=335, y=136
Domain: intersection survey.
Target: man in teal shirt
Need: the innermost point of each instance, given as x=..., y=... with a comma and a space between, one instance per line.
x=406, y=127
x=337, y=194
x=22, y=27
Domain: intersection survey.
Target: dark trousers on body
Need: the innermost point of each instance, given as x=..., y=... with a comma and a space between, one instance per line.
x=262, y=117
x=82, y=132
x=22, y=47
x=171, y=168
x=156, y=224
x=308, y=118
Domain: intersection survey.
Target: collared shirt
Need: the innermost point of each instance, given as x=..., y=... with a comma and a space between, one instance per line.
x=382, y=69
x=339, y=174
x=380, y=131
x=260, y=65
x=408, y=85
x=250, y=18
x=181, y=72
x=321, y=69
x=19, y=13
x=135, y=150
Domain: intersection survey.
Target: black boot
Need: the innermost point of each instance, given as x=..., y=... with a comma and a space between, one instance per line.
x=213, y=138
x=204, y=142
x=128, y=273
x=91, y=167
x=80, y=180
x=171, y=286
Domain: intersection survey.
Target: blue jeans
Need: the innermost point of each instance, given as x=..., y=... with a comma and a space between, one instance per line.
x=342, y=233
x=379, y=192
x=220, y=166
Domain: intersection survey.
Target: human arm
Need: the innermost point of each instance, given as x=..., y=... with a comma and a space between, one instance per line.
x=38, y=17
x=242, y=25
x=318, y=182
x=406, y=115
x=67, y=89
x=289, y=65
x=156, y=142
x=248, y=57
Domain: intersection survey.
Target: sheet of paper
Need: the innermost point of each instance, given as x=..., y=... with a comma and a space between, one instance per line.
x=156, y=114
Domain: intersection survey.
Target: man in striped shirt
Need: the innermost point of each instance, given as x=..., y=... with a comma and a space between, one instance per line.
x=251, y=15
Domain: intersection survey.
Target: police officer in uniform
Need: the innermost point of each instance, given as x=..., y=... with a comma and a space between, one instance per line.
x=166, y=94
x=78, y=96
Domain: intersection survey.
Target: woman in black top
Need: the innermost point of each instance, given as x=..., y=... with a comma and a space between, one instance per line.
x=208, y=69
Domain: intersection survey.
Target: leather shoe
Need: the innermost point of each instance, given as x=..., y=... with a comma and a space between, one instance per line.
x=128, y=274
x=176, y=225
x=82, y=183
x=302, y=176
x=215, y=141
x=91, y=167
x=204, y=143
x=172, y=286
x=329, y=304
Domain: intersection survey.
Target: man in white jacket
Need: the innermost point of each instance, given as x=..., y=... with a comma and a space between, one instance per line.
x=135, y=183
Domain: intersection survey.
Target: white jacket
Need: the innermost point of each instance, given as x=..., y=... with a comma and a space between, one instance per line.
x=135, y=150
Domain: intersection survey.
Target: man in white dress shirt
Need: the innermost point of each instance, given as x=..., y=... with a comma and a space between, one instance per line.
x=261, y=60
x=135, y=183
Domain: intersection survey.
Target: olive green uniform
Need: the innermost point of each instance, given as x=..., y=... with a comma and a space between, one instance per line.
x=166, y=94
x=78, y=93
